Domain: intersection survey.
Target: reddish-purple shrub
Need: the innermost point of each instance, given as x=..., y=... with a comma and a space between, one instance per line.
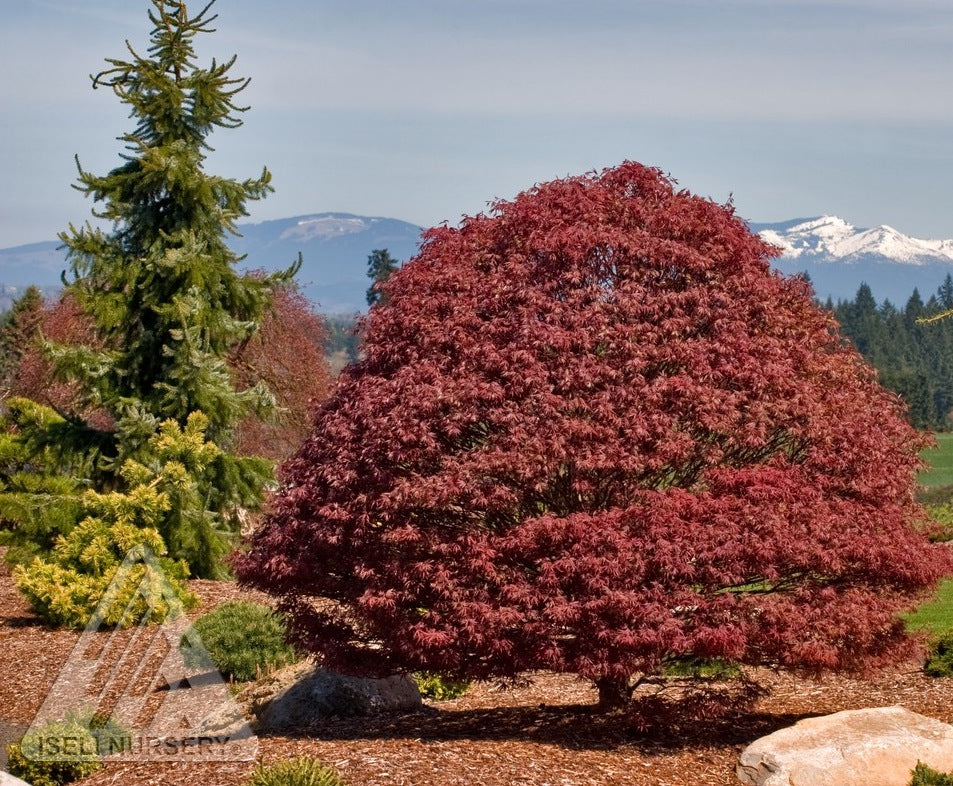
x=594, y=432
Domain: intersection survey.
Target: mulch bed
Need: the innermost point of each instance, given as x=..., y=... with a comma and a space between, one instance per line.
x=543, y=733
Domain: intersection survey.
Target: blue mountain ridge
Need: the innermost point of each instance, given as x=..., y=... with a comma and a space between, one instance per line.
x=335, y=247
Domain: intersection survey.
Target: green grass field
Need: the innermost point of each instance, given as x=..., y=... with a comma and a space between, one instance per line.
x=936, y=616
x=940, y=461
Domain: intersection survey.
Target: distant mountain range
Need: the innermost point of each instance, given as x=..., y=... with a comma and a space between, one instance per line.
x=837, y=256
x=334, y=246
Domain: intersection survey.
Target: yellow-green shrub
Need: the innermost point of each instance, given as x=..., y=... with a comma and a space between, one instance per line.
x=302, y=771
x=99, y=556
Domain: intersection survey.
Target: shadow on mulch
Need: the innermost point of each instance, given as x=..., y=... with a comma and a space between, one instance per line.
x=25, y=622
x=573, y=727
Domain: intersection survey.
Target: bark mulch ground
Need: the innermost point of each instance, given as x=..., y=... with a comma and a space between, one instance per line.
x=543, y=733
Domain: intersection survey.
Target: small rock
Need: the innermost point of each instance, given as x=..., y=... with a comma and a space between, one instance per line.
x=297, y=695
x=872, y=747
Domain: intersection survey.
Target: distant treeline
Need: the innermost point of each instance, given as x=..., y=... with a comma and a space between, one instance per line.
x=912, y=358
x=342, y=343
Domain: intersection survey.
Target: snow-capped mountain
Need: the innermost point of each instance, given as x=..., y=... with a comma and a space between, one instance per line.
x=831, y=238
x=335, y=247
x=838, y=257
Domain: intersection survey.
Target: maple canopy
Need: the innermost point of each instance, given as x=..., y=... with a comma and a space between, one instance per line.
x=593, y=433
x=286, y=353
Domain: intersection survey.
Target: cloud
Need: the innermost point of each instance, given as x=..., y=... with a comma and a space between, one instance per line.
x=678, y=58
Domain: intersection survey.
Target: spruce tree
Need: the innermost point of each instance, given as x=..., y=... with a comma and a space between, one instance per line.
x=17, y=328
x=380, y=267
x=161, y=287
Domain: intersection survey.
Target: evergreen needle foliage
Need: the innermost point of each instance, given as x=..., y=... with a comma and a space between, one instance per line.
x=244, y=640
x=910, y=345
x=302, y=771
x=29, y=758
x=940, y=661
x=166, y=303
x=438, y=688
x=40, y=486
x=380, y=267
x=16, y=329
x=63, y=751
x=163, y=504
x=927, y=776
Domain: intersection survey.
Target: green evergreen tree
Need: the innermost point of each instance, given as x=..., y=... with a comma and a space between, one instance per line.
x=380, y=267
x=861, y=321
x=912, y=349
x=945, y=293
x=17, y=328
x=161, y=287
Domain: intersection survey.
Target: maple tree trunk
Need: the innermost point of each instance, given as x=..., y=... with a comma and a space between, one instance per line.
x=614, y=693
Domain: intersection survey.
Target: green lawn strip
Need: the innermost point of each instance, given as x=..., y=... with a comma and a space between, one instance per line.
x=934, y=616
x=939, y=461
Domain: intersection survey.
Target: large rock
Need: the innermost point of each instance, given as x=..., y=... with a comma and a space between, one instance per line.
x=873, y=747
x=298, y=695
x=6, y=779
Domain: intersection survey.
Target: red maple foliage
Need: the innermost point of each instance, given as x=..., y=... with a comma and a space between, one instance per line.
x=286, y=353
x=594, y=433
x=34, y=377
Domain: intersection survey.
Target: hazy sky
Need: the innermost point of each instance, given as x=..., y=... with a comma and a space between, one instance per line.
x=426, y=110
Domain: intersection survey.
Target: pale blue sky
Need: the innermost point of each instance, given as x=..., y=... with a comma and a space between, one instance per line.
x=425, y=110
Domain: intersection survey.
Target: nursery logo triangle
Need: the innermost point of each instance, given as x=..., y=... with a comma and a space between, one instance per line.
x=144, y=691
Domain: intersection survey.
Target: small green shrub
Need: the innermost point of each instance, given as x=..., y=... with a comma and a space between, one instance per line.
x=715, y=669
x=60, y=752
x=941, y=519
x=940, y=660
x=438, y=688
x=925, y=776
x=111, y=735
x=303, y=771
x=244, y=640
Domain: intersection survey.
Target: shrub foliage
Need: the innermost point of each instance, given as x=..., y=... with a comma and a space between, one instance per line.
x=63, y=751
x=244, y=640
x=438, y=688
x=593, y=433
x=940, y=660
x=926, y=776
x=301, y=771
x=161, y=498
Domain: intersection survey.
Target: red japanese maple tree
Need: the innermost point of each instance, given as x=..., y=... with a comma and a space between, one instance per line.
x=594, y=433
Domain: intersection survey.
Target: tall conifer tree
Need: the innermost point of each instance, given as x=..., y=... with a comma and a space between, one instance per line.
x=161, y=287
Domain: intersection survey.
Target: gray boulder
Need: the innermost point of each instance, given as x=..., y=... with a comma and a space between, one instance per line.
x=872, y=747
x=296, y=696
